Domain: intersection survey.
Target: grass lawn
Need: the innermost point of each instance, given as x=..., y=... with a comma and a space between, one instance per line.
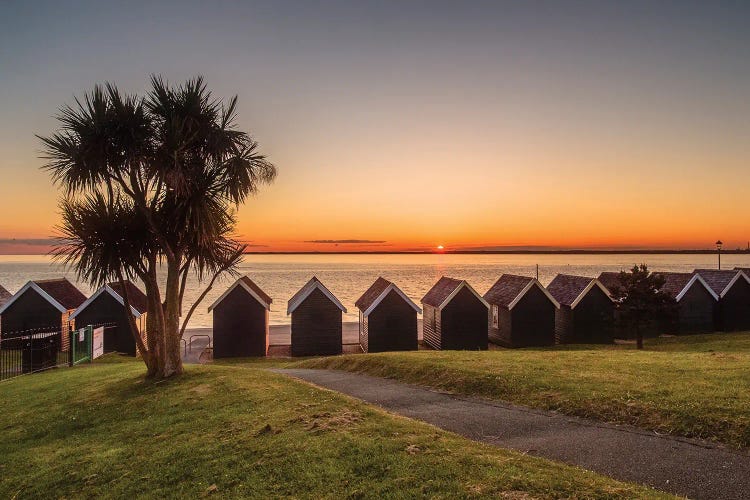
x=102, y=431
x=695, y=386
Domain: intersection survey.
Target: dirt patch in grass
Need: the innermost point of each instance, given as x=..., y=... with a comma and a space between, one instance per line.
x=201, y=389
x=327, y=421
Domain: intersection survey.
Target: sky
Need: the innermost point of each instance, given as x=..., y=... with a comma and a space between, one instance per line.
x=404, y=125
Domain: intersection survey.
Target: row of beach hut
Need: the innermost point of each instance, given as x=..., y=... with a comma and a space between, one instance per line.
x=56, y=305
x=517, y=311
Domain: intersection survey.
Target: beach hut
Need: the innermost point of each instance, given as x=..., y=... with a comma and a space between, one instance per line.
x=733, y=289
x=387, y=319
x=41, y=305
x=107, y=307
x=522, y=312
x=240, y=326
x=316, y=320
x=696, y=303
x=586, y=312
x=5, y=295
x=455, y=316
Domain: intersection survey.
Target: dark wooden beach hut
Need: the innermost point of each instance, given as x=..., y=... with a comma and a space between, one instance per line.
x=733, y=307
x=455, y=316
x=107, y=307
x=5, y=295
x=586, y=312
x=40, y=305
x=387, y=319
x=696, y=303
x=522, y=312
x=240, y=327
x=316, y=320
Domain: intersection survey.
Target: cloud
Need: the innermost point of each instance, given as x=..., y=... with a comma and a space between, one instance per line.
x=250, y=243
x=356, y=242
x=29, y=241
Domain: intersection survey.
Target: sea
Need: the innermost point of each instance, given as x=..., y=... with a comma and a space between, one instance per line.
x=349, y=275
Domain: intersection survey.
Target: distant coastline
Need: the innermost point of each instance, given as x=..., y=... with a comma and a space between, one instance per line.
x=476, y=252
x=516, y=252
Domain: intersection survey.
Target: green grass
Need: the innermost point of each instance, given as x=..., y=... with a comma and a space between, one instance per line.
x=101, y=430
x=695, y=386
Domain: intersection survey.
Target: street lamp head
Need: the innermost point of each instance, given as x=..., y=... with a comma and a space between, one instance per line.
x=718, y=244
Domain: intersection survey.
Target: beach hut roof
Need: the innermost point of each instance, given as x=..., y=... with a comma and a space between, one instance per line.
x=569, y=290
x=251, y=288
x=377, y=292
x=610, y=280
x=445, y=289
x=61, y=293
x=5, y=295
x=138, y=301
x=745, y=270
x=509, y=289
x=721, y=281
x=677, y=284
x=305, y=291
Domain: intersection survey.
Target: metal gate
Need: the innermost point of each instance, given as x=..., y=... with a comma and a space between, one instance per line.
x=80, y=345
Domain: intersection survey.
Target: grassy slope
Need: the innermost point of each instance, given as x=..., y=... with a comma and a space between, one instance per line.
x=696, y=386
x=101, y=430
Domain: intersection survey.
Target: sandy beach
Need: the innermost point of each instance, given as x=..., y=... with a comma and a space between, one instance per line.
x=280, y=339
x=282, y=334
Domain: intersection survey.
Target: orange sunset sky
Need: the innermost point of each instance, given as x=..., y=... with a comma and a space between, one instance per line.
x=400, y=127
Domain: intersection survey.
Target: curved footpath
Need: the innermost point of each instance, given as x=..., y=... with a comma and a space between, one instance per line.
x=697, y=469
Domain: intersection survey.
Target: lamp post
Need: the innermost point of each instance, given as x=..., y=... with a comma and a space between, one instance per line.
x=718, y=250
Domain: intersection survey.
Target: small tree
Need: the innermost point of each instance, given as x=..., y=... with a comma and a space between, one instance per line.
x=641, y=300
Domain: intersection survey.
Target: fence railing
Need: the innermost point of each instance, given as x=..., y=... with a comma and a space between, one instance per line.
x=31, y=351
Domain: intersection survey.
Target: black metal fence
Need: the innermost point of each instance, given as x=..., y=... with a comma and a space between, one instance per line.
x=32, y=351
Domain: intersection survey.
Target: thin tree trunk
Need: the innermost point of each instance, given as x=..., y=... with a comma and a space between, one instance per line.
x=195, y=305
x=208, y=288
x=638, y=335
x=183, y=284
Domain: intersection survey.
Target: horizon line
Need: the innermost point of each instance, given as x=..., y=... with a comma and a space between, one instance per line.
x=644, y=251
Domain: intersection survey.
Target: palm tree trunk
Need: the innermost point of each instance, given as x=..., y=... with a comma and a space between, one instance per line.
x=172, y=358
x=154, y=321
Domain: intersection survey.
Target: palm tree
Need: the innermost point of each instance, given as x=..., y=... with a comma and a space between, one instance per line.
x=152, y=181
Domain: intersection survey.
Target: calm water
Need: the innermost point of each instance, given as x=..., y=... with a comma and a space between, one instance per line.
x=348, y=276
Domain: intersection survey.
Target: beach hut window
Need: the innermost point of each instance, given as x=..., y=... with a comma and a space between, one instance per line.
x=495, y=320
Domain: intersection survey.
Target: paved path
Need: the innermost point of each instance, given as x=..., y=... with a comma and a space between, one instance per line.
x=694, y=468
